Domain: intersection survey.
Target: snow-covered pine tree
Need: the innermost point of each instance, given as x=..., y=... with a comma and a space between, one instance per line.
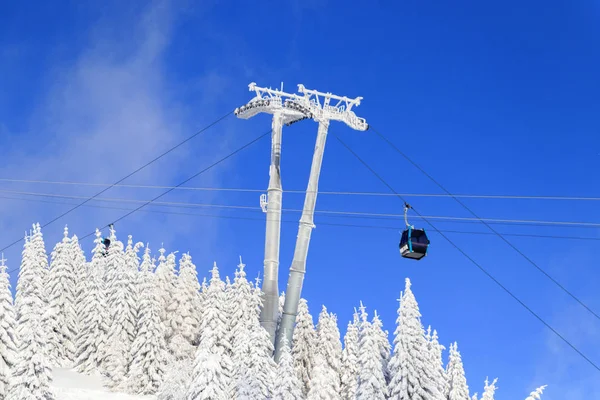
x=48, y=321
x=166, y=281
x=115, y=264
x=411, y=371
x=371, y=380
x=330, y=346
x=122, y=328
x=8, y=344
x=383, y=344
x=350, y=366
x=537, y=393
x=62, y=293
x=179, y=370
x=147, y=265
x=149, y=349
x=80, y=265
x=243, y=309
x=262, y=366
x=489, y=389
x=186, y=318
x=92, y=337
x=211, y=377
x=321, y=384
x=31, y=374
x=435, y=356
x=287, y=384
x=455, y=375
x=304, y=341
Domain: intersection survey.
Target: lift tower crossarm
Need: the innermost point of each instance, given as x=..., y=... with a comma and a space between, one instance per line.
x=272, y=102
x=319, y=106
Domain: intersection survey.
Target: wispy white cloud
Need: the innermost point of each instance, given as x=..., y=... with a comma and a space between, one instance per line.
x=106, y=113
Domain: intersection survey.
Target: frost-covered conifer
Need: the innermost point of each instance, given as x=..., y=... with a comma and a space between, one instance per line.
x=62, y=293
x=81, y=277
x=383, y=344
x=211, y=377
x=115, y=264
x=537, y=394
x=166, y=281
x=91, y=341
x=242, y=305
x=435, y=356
x=259, y=351
x=411, y=371
x=186, y=318
x=147, y=265
x=287, y=384
x=31, y=375
x=304, y=341
x=455, y=375
x=489, y=389
x=8, y=346
x=178, y=378
x=122, y=330
x=149, y=349
x=371, y=380
x=321, y=384
x=330, y=346
x=350, y=367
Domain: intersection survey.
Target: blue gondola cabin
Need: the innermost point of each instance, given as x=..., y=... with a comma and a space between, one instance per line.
x=414, y=243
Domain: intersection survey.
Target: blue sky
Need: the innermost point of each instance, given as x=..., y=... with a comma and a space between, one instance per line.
x=490, y=98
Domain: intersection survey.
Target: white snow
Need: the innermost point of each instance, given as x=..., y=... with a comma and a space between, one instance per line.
x=70, y=385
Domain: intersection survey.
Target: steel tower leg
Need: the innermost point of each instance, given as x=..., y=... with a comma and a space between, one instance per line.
x=298, y=268
x=270, y=310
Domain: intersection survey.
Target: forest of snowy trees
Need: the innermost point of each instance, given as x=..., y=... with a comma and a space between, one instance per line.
x=147, y=326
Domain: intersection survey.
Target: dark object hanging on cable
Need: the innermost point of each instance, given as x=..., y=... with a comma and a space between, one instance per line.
x=106, y=243
x=414, y=243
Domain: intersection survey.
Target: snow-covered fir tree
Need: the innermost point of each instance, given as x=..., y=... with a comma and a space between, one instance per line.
x=322, y=386
x=166, y=281
x=186, y=321
x=114, y=267
x=179, y=370
x=435, y=350
x=31, y=374
x=81, y=277
x=383, y=344
x=149, y=349
x=62, y=293
x=92, y=337
x=8, y=345
x=350, y=367
x=122, y=330
x=455, y=374
x=537, y=393
x=304, y=341
x=489, y=390
x=260, y=351
x=412, y=374
x=287, y=384
x=243, y=308
x=211, y=377
x=330, y=346
x=371, y=380
x=48, y=322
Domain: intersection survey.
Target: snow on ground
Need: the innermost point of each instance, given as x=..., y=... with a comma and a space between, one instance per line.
x=70, y=385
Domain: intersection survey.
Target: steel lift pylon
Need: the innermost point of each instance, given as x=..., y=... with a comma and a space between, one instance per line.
x=315, y=105
x=275, y=102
